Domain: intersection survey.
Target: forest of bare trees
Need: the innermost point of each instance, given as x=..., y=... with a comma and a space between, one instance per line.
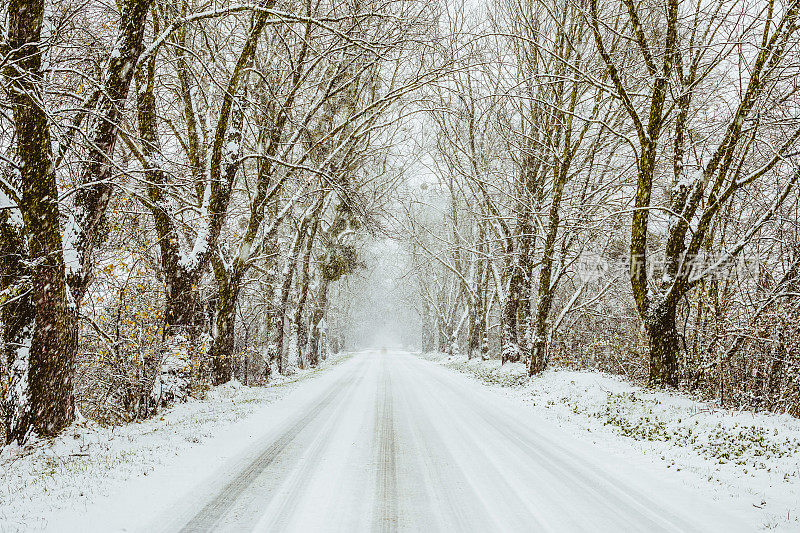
x=181, y=183
x=615, y=188
x=187, y=187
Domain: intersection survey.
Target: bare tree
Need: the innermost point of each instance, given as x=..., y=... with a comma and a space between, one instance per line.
x=680, y=51
x=41, y=344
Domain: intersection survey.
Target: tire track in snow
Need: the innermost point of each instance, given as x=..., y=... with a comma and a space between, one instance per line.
x=385, y=519
x=457, y=506
x=209, y=517
x=600, y=488
x=312, y=456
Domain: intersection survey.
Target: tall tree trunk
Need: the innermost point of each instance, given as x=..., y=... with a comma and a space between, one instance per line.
x=516, y=309
x=525, y=269
x=477, y=317
x=442, y=336
x=282, y=296
x=44, y=400
x=510, y=350
x=45, y=378
x=315, y=339
x=428, y=327
x=182, y=303
x=662, y=335
x=546, y=290
x=270, y=282
x=473, y=331
x=299, y=327
x=222, y=346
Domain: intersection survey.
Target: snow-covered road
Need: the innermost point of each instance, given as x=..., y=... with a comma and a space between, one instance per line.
x=387, y=441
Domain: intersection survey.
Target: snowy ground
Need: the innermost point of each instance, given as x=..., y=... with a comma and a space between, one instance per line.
x=751, y=460
x=88, y=463
x=390, y=441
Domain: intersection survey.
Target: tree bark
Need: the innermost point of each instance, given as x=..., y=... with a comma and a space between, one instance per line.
x=299, y=327
x=222, y=346
x=538, y=361
x=662, y=335
x=44, y=375
x=315, y=339
x=477, y=318
x=48, y=366
x=511, y=351
x=282, y=300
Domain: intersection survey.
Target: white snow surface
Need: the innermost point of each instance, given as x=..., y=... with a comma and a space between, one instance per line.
x=391, y=441
x=748, y=460
x=90, y=466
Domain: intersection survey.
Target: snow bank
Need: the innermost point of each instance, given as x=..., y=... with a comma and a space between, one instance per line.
x=88, y=462
x=751, y=457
